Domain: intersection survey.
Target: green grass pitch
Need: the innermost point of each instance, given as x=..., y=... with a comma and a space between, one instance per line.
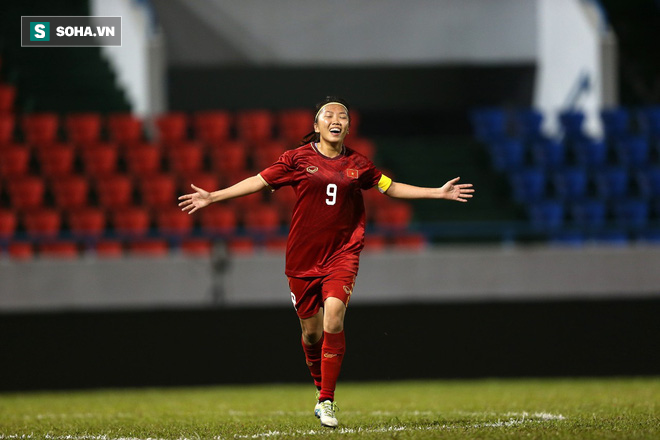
x=481, y=409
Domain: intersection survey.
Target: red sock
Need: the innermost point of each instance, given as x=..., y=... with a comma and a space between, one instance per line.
x=313, y=358
x=334, y=346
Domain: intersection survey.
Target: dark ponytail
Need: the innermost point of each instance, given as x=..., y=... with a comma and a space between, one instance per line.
x=313, y=136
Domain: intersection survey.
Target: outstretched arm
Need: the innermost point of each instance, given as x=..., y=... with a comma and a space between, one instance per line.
x=449, y=191
x=201, y=198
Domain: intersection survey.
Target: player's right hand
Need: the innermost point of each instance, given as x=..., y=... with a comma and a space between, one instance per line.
x=194, y=201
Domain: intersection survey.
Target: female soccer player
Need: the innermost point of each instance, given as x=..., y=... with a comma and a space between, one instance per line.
x=326, y=234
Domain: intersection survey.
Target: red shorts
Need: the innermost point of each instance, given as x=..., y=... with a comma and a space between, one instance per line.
x=309, y=294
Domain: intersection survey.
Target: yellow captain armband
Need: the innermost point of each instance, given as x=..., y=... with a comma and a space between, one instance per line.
x=384, y=183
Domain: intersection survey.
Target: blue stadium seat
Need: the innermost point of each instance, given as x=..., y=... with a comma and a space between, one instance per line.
x=612, y=182
x=570, y=183
x=616, y=122
x=612, y=237
x=590, y=153
x=507, y=154
x=648, y=181
x=649, y=121
x=589, y=214
x=632, y=151
x=489, y=124
x=571, y=122
x=528, y=185
x=631, y=213
x=546, y=215
x=528, y=124
x=571, y=238
x=548, y=154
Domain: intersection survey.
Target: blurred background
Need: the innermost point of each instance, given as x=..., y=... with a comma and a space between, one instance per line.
x=551, y=108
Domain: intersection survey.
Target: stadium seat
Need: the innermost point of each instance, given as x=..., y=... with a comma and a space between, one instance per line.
x=490, y=124
x=507, y=154
x=590, y=213
x=648, y=181
x=229, y=157
x=267, y=153
x=15, y=162
x=374, y=243
x=100, y=161
x=7, y=97
x=207, y=181
x=109, y=248
x=546, y=215
x=20, y=250
x=124, y=128
x=158, y=191
x=409, y=241
x=612, y=182
x=294, y=124
x=275, y=244
x=262, y=219
x=528, y=125
x=172, y=127
x=393, y=216
x=572, y=121
x=40, y=128
x=363, y=146
x=616, y=122
x=633, y=151
x=649, y=121
x=528, y=185
x=186, y=159
x=631, y=213
x=567, y=238
x=56, y=160
x=570, y=183
x=7, y=124
x=173, y=221
x=212, y=127
x=114, y=191
x=254, y=126
x=26, y=192
x=8, y=224
x=87, y=222
x=590, y=153
x=196, y=247
x=42, y=223
x=218, y=220
x=241, y=245
x=143, y=160
x=83, y=128
x=611, y=237
x=131, y=221
x=548, y=154
x=153, y=247
x=70, y=191
x=58, y=249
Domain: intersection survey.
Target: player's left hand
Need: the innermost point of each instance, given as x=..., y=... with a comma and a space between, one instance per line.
x=459, y=192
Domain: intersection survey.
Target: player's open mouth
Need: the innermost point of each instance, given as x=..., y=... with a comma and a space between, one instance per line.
x=335, y=130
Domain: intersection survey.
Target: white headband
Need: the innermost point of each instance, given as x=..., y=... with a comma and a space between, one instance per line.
x=324, y=105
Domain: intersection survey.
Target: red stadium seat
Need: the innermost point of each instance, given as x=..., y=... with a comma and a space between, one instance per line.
x=374, y=243
x=229, y=157
x=275, y=244
x=241, y=246
x=394, y=215
x=159, y=191
x=109, y=248
x=363, y=146
x=7, y=97
x=197, y=247
x=173, y=221
x=254, y=125
x=42, y=223
x=114, y=191
x=262, y=219
x=7, y=124
x=124, y=128
x=70, y=191
x=83, y=128
x=218, y=219
x=267, y=153
x=87, y=222
x=186, y=159
x=8, y=223
x=15, y=162
x=58, y=249
x=56, y=160
x=212, y=126
x=172, y=127
x=131, y=221
x=100, y=161
x=40, y=128
x=293, y=125
x=20, y=250
x=143, y=160
x=207, y=181
x=148, y=248
x=410, y=241
x=26, y=192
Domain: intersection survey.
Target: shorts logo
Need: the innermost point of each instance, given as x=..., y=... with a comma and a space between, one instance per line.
x=312, y=169
x=348, y=290
x=309, y=364
x=353, y=174
x=329, y=355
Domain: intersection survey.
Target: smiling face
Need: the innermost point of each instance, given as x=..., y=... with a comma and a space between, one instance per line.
x=332, y=124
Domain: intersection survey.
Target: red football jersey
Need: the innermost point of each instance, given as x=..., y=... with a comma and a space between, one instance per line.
x=327, y=225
